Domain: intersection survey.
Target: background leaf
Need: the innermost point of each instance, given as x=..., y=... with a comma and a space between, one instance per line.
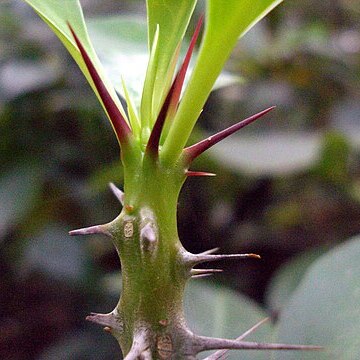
x=276, y=153
x=57, y=14
x=287, y=279
x=220, y=312
x=324, y=309
x=19, y=189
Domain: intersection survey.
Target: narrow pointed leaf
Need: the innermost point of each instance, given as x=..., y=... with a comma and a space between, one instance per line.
x=121, y=44
x=219, y=39
x=56, y=14
x=146, y=109
x=195, y=150
x=173, y=17
x=170, y=104
x=131, y=109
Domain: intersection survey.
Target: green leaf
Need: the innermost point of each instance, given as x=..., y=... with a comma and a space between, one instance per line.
x=287, y=279
x=57, y=14
x=173, y=17
x=220, y=312
x=324, y=310
x=225, y=22
x=121, y=44
x=334, y=159
x=147, y=106
x=272, y=153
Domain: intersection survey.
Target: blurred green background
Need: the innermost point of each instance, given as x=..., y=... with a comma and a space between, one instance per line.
x=286, y=186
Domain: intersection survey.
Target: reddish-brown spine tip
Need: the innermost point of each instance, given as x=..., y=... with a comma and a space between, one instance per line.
x=197, y=149
x=120, y=125
x=198, y=173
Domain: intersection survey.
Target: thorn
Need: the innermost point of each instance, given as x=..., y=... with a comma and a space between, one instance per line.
x=201, y=258
x=180, y=77
x=203, y=343
x=201, y=276
x=97, y=229
x=172, y=98
x=221, y=353
x=195, y=150
x=198, y=173
x=117, y=192
x=210, y=251
x=120, y=125
x=252, y=329
x=110, y=321
x=196, y=272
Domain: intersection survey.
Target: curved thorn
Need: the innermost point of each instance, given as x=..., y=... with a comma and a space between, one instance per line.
x=221, y=353
x=198, y=173
x=195, y=150
x=97, y=229
x=172, y=98
x=120, y=125
x=117, y=192
x=203, y=343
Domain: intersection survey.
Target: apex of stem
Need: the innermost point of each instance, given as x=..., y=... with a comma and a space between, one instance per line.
x=197, y=149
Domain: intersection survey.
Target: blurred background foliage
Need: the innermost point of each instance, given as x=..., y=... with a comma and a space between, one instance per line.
x=286, y=187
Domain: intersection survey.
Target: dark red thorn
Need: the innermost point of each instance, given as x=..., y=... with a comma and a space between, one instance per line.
x=120, y=125
x=197, y=149
x=173, y=96
x=199, y=173
x=180, y=77
x=152, y=146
